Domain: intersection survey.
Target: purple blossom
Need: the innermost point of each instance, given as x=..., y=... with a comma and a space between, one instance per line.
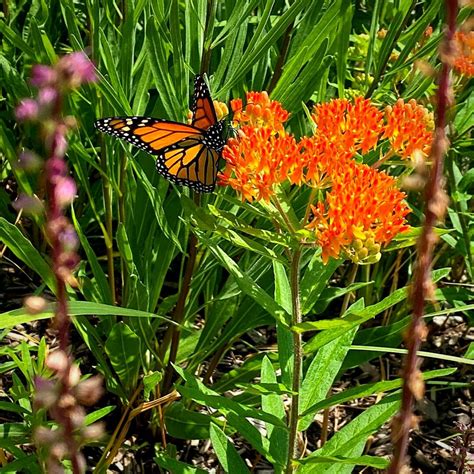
x=42, y=76
x=27, y=109
x=65, y=191
x=69, y=239
x=77, y=68
x=47, y=96
x=56, y=167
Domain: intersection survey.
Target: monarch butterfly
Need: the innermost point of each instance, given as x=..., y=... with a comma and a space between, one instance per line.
x=185, y=154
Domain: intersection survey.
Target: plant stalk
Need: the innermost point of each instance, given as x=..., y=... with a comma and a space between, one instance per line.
x=435, y=207
x=297, y=360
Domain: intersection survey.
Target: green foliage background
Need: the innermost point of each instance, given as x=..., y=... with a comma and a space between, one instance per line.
x=134, y=226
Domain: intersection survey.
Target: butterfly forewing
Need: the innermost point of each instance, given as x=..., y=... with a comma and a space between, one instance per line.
x=204, y=114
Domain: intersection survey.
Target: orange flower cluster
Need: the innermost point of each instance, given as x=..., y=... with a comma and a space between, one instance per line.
x=464, y=60
x=353, y=126
x=257, y=161
x=408, y=128
x=363, y=210
x=260, y=111
x=264, y=155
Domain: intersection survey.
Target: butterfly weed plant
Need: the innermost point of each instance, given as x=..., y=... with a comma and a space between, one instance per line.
x=249, y=313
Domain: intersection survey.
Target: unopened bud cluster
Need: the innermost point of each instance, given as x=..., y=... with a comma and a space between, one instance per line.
x=64, y=397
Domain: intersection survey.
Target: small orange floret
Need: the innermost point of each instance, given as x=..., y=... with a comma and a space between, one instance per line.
x=260, y=111
x=363, y=211
x=464, y=56
x=409, y=127
x=354, y=126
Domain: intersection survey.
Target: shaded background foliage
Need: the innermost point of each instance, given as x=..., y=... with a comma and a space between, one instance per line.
x=134, y=226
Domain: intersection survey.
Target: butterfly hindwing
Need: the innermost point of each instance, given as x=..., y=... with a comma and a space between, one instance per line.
x=190, y=163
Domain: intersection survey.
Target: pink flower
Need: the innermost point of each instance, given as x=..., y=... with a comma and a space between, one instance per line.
x=69, y=239
x=65, y=191
x=47, y=96
x=42, y=75
x=77, y=69
x=27, y=109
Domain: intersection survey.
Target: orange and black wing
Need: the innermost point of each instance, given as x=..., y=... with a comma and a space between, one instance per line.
x=149, y=134
x=190, y=162
x=184, y=154
x=204, y=114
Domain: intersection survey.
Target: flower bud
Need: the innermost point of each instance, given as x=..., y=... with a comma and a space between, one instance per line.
x=27, y=109
x=47, y=96
x=57, y=361
x=34, y=304
x=69, y=239
x=65, y=191
x=42, y=75
x=89, y=391
x=77, y=69
x=46, y=394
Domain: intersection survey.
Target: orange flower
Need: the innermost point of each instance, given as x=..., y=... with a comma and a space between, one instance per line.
x=260, y=111
x=257, y=161
x=363, y=211
x=352, y=126
x=409, y=127
x=319, y=159
x=464, y=60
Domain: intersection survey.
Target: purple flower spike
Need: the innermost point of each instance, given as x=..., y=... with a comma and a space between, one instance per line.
x=42, y=76
x=27, y=109
x=65, y=191
x=77, y=68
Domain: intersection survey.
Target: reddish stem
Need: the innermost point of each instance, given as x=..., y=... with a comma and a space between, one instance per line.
x=422, y=284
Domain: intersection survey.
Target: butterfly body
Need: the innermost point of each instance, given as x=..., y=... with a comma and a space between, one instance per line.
x=185, y=154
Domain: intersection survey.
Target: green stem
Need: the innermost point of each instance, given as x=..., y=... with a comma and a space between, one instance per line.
x=297, y=360
x=174, y=330
x=206, y=52
x=109, y=215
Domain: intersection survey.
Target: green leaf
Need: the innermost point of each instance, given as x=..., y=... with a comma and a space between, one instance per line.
x=321, y=325
x=23, y=249
x=265, y=388
x=75, y=308
x=98, y=414
x=226, y=405
x=182, y=423
x=371, y=461
x=370, y=389
x=350, y=441
x=315, y=280
x=355, y=318
x=246, y=284
x=177, y=467
x=226, y=453
x=272, y=403
x=123, y=348
x=284, y=335
x=321, y=374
